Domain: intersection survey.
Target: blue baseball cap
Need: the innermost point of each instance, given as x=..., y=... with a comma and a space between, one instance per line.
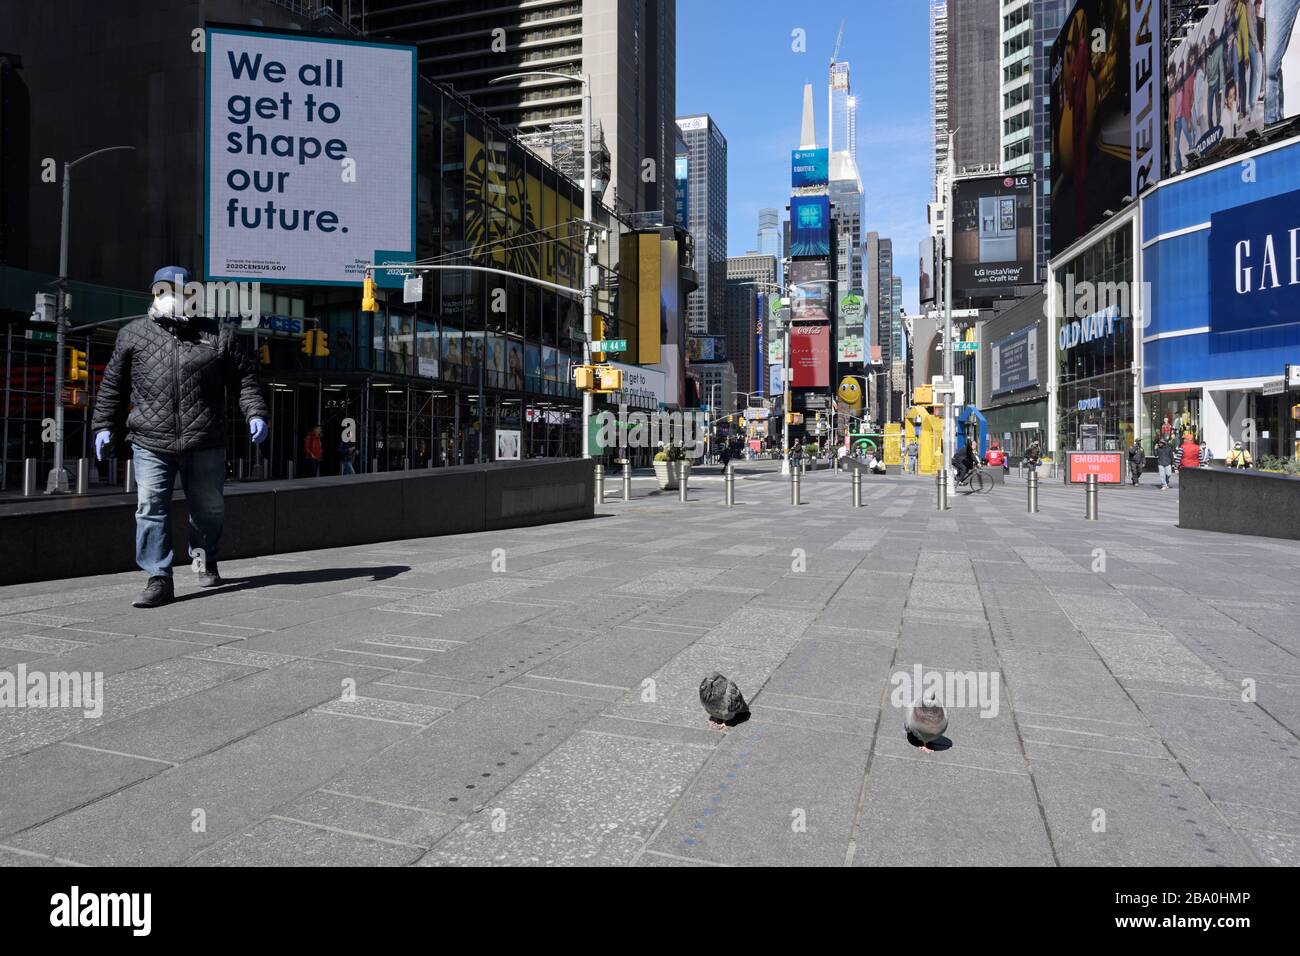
x=176, y=275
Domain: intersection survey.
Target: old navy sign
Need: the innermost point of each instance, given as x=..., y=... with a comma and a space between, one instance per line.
x=1095, y=326
x=1255, y=265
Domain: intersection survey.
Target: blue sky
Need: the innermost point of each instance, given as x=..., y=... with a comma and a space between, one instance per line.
x=735, y=62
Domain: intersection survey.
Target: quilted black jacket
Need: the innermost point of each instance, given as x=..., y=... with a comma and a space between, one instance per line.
x=174, y=379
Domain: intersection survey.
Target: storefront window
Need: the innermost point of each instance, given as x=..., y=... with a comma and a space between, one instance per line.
x=1095, y=348
x=1171, y=414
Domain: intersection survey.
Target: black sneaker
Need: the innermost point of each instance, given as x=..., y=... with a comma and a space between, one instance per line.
x=156, y=593
x=209, y=577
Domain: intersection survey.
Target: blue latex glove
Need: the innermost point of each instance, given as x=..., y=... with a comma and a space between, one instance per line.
x=257, y=430
x=102, y=440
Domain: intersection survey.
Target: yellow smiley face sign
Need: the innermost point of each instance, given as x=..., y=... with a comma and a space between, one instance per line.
x=850, y=393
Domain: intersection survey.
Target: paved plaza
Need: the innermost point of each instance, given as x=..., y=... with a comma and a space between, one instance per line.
x=531, y=696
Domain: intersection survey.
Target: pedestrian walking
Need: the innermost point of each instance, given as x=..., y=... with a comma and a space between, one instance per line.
x=311, y=453
x=347, y=457
x=1137, y=460
x=1165, y=462
x=171, y=372
x=913, y=452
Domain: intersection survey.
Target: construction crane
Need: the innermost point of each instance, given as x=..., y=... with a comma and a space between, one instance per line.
x=838, y=39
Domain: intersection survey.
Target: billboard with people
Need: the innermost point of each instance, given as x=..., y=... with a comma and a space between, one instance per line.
x=1231, y=75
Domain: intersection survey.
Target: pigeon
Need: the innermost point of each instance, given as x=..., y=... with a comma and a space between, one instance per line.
x=722, y=700
x=925, y=722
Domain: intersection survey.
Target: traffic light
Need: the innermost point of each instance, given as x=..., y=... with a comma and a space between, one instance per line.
x=584, y=378
x=309, y=342
x=77, y=372
x=315, y=342
x=597, y=335
x=265, y=353
x=611, y=379
x=368, y=303
x=322, y=343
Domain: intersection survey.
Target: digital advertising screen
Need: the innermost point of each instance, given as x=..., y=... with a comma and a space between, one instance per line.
x=810, y=226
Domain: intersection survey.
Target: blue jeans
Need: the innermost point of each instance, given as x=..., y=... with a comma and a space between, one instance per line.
x=202, y=473
x=1166, y=474
x=1282, y=14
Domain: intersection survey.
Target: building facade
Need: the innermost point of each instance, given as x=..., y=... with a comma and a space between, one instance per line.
x=427, y=384
x=750, y=287
x=974, y=84
x=706, y=158
x=1012, y=376
x=627, y=48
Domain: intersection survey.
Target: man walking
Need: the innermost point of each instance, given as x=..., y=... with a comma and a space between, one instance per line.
x=1137, y=460
x=171, y=371
x=913, y=452
x=1165, y=462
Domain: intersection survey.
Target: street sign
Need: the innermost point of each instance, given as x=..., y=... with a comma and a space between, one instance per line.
x=45, y=307
x=966, y=346
x=1292, y=376
x=413, y=289
x=577, y=334
x=37, y=335
x=609, y=345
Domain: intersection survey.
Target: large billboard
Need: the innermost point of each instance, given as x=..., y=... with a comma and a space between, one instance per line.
x=810, y=226
x=1013, y=361
x=1145, y=94
x=1232, y=74
x=706, y=348
x=993, y=235
x=1090, y=117
x=850, y=340
x=809, y=167
x=926, y=288
x=810, y=355
x=810, y=288
x=681, y=181
x=310, y=149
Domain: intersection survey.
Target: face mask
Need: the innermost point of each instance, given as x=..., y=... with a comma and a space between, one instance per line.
x=167, y=306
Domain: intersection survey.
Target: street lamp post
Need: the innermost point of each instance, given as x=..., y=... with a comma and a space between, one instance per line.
x=585, y=80
x=949, y=435
x=57, y=482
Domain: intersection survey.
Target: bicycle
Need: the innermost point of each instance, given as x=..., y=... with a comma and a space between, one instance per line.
x=975, y=481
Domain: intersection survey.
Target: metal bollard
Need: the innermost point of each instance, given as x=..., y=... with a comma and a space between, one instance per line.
x=1090, y=498
x=374, y=465
x=627, y=479
x=857, y=488
x=83, y=476
x=681, y=485
x=130, y=476
x=941, y=490
x=794, y=487
x=29, y=477
x=600, y=483
x=1032, y=485
x=406, y=464
x=729, y=486
x=241, y=469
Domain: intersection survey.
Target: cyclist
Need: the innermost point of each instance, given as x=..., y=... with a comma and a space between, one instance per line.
x=965, y=461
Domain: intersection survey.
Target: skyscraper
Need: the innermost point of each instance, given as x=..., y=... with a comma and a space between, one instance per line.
x=706, y=157
x=879, y=292
x=845, y=185
x=746, y=277
x=1049, y=16
x=627, y=48
x=974, y=82
x=769, y=237
x=843, y=105
x=939, y=86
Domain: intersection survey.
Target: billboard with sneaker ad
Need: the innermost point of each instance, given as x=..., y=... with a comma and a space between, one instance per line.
x=306, y=179
x=993, y=235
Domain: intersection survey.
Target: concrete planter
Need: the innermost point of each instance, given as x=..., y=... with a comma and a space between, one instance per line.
x=1239, y=502
x=668, y=474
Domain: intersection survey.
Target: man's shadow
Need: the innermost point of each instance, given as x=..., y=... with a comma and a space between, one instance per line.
x=319, y=576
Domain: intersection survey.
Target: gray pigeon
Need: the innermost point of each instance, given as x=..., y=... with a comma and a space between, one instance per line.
x=722, y=699
x=926, y=721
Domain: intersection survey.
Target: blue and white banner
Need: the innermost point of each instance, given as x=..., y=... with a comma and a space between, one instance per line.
x=1255, y=265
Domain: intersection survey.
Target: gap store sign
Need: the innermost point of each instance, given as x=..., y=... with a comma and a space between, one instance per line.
x=1255, y=265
